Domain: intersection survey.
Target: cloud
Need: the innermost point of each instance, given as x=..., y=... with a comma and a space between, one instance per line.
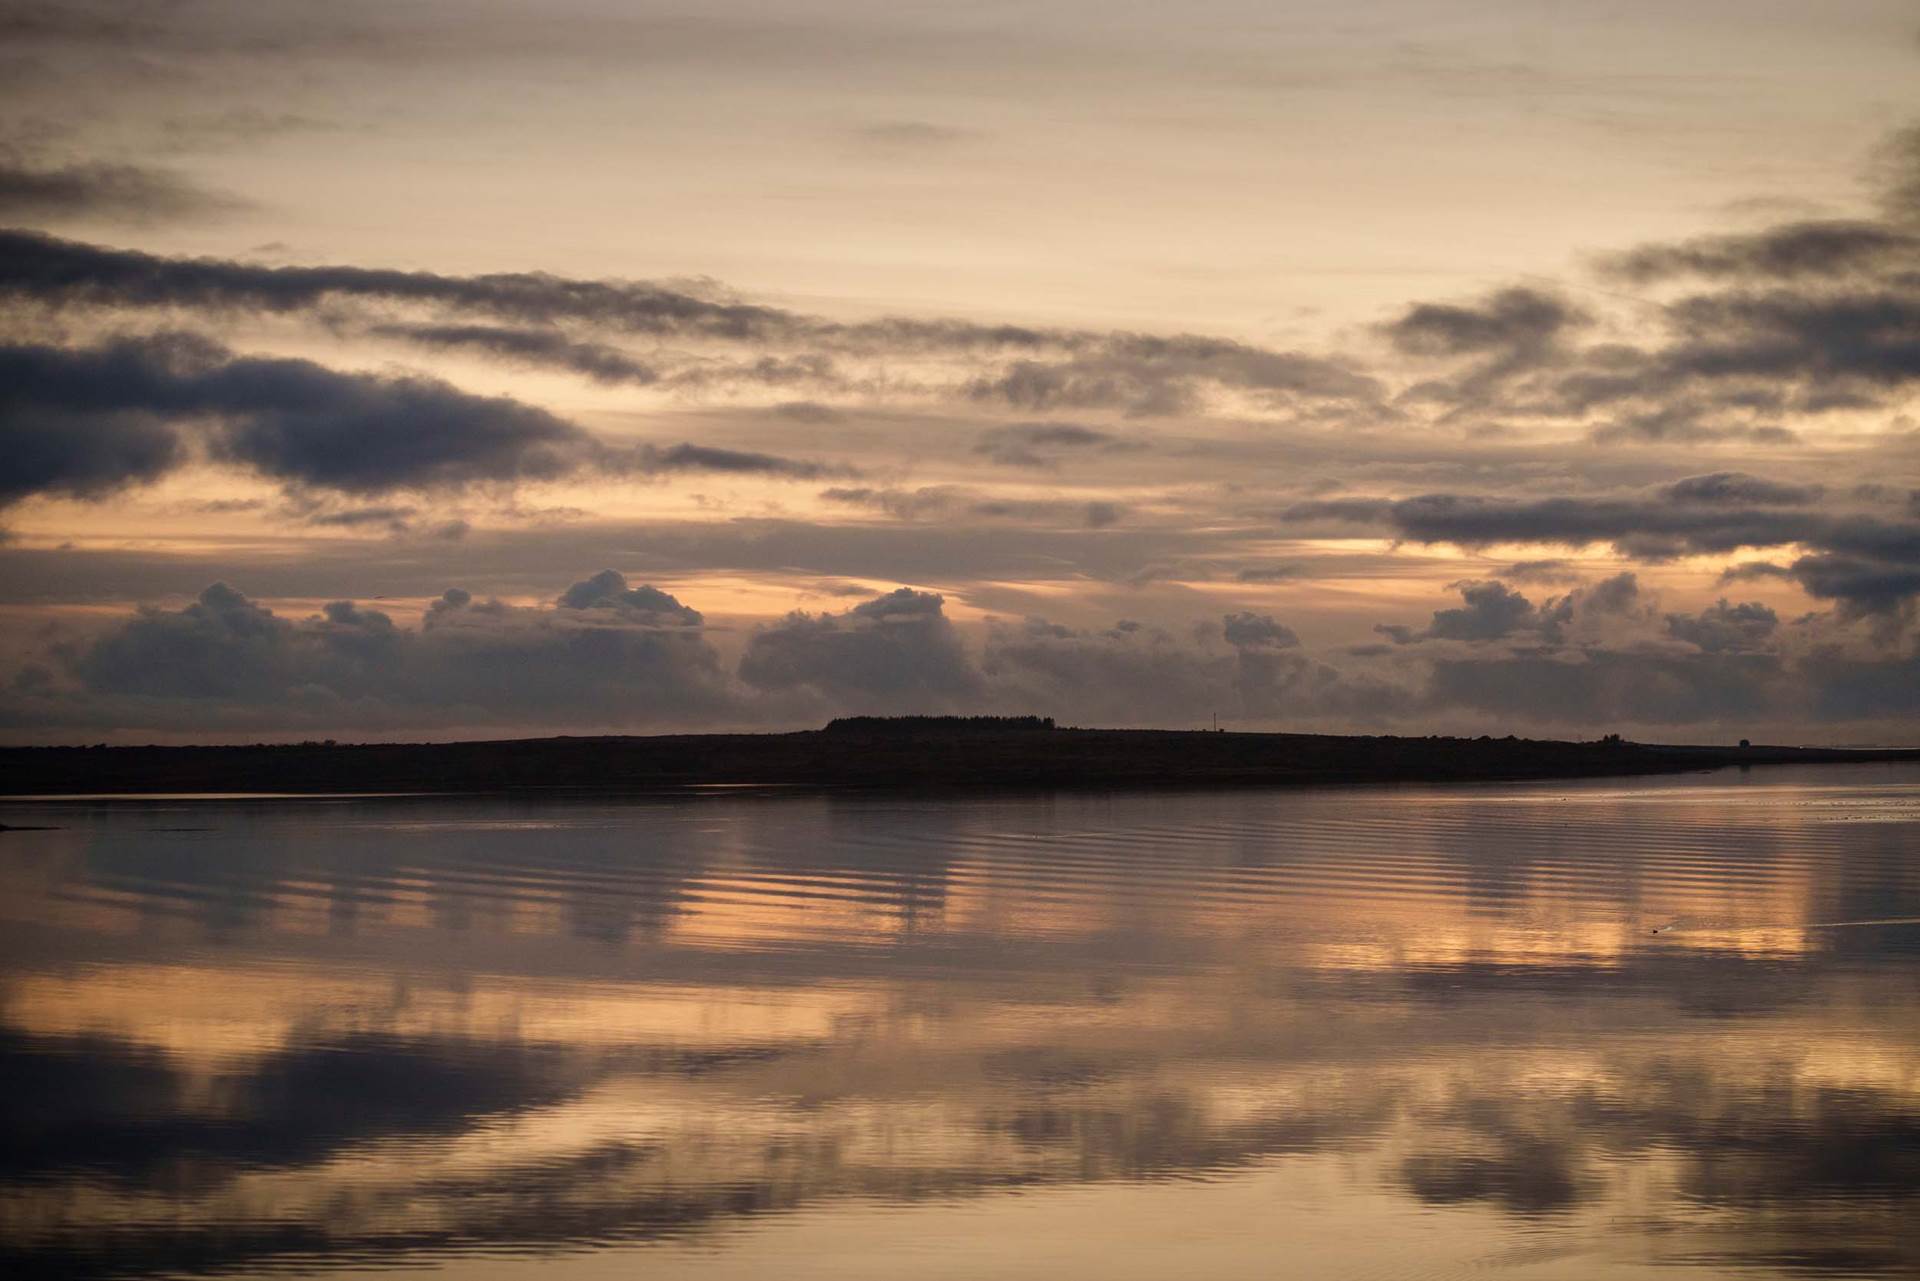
x=1721, y=627
x=691, y=457
x=1275, y=573
x=290, y=420
x=1832, y=248
x=538, y=347
x=55, y=271
x=950, y=502
x=48, y=269
x=1133, y=674
x=1598, y=687
x=1803, y=318
x=606, y=655
x=1605, y=653
x=1547, y=570
x=1127, y=674
x=1895, y=173
x=1492, y=610
x=1863, y=586
x=609, y=654
x=517, y=315
x=121, y=193
x=1257, y=631
x=608, y=590
x=1738, y=487
x=1867, y=558
x=48, y=450
x=84, y=421
x=897, y=652
x=807, y=411
x=394, y=517
x=1510, y=322
x=1145, y=375
x=1042, y=444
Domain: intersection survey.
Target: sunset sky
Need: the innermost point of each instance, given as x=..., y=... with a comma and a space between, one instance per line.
x=427, y=370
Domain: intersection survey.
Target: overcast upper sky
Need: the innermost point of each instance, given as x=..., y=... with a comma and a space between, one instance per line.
x=435, y=369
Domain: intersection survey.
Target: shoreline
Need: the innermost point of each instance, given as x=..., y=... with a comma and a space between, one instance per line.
x=871, y=760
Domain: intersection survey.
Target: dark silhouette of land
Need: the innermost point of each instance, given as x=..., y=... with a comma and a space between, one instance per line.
x=871, y=752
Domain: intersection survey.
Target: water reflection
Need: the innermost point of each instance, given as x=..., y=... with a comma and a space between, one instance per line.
x=1565, y=1030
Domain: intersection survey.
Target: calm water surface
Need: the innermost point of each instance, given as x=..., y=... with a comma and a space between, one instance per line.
x=1571, y=1030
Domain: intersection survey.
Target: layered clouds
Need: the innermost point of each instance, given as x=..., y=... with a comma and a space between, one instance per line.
x=609, y=654
x=1674, y=490
x=601, y=654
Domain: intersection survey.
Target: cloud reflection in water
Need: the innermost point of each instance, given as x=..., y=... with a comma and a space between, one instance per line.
x=240, y=1035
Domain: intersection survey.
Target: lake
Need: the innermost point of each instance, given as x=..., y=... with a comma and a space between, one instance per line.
x=1593, y=1029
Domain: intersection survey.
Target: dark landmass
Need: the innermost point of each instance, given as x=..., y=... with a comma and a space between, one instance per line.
x=907, y=752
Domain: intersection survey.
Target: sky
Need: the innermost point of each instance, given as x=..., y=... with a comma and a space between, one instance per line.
x=432, y=370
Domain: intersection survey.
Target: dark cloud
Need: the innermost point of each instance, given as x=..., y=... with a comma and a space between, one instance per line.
x=1722, y=627
x=807, y=411
x=610, y=654
x=1865, y=558
x=1802, y=318
x=1801, y=249
x=1132, y=674
x=1492, y=610
x=1542, y=570
x=690, y=457
x=812, y=368
x=291, y=420
x=1477, y=521
x=608, y=590
x=105, y=192
x=1126, y=674
x=1828, y=341
x=513, y=315
x=47, y=269
x=1595, y=688
x=539, y=347
x=391, y=516
x=1603, y=654
x=1738, y=487
x=1861, y=585
x=1749, y=571
x=1502, y=337
x=1144, y=375
x=1040, y=444
x=45, y=450
x=83, y=421
x=897, y=652
x=1509, y=322
x=1257, y=631
x=606, y=655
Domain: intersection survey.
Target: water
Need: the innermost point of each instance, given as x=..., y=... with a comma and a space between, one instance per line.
x=1566, y=1030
